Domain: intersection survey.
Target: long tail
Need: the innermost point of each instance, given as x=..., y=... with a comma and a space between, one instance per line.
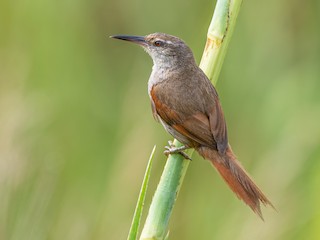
x=236, y=177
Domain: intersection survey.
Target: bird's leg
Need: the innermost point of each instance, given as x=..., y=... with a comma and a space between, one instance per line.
x=172, y=149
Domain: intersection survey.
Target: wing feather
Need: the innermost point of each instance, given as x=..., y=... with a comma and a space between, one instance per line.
x=200, y=127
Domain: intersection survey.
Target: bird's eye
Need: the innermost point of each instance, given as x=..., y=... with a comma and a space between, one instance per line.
x=158, y=43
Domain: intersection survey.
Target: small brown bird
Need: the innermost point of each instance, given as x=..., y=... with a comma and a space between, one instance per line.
x=185, y=102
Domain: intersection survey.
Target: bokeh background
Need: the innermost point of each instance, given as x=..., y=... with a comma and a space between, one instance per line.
x=76, y=128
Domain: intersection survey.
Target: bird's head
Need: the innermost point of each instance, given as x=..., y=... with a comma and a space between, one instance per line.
x=162, y=47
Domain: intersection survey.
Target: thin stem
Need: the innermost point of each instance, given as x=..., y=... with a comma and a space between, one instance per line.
x=133, y=232
x=219, y=35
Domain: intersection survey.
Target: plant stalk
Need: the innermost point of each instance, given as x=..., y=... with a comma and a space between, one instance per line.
x=218, y=38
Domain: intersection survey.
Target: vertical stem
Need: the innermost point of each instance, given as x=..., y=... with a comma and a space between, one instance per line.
x=163, y=200
x=219, y=35
x=133, y=232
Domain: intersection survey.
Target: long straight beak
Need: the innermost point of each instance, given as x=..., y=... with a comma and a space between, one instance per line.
x=134, y=39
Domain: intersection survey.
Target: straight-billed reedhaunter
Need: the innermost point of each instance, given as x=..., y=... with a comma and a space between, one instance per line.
x=185, y=102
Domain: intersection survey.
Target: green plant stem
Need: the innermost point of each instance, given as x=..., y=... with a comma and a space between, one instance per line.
x=133, y=232
x=219, y=35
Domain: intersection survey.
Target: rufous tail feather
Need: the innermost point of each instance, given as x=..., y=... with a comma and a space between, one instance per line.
x=236, y=177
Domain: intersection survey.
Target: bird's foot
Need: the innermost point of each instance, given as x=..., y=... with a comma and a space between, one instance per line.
x=172, y=149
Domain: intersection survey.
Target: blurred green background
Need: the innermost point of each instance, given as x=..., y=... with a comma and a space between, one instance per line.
x=76, y=127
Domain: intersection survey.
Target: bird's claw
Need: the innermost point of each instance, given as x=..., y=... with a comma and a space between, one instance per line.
x=172, y=149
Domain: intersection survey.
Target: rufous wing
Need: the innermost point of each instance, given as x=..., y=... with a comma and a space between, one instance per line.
x=201, y=128
x=218, y=126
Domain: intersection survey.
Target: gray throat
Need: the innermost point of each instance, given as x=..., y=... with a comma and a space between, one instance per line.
x=165, y=69
x=161, y=71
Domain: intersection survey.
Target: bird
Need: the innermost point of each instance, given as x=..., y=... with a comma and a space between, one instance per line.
x=186, y=103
